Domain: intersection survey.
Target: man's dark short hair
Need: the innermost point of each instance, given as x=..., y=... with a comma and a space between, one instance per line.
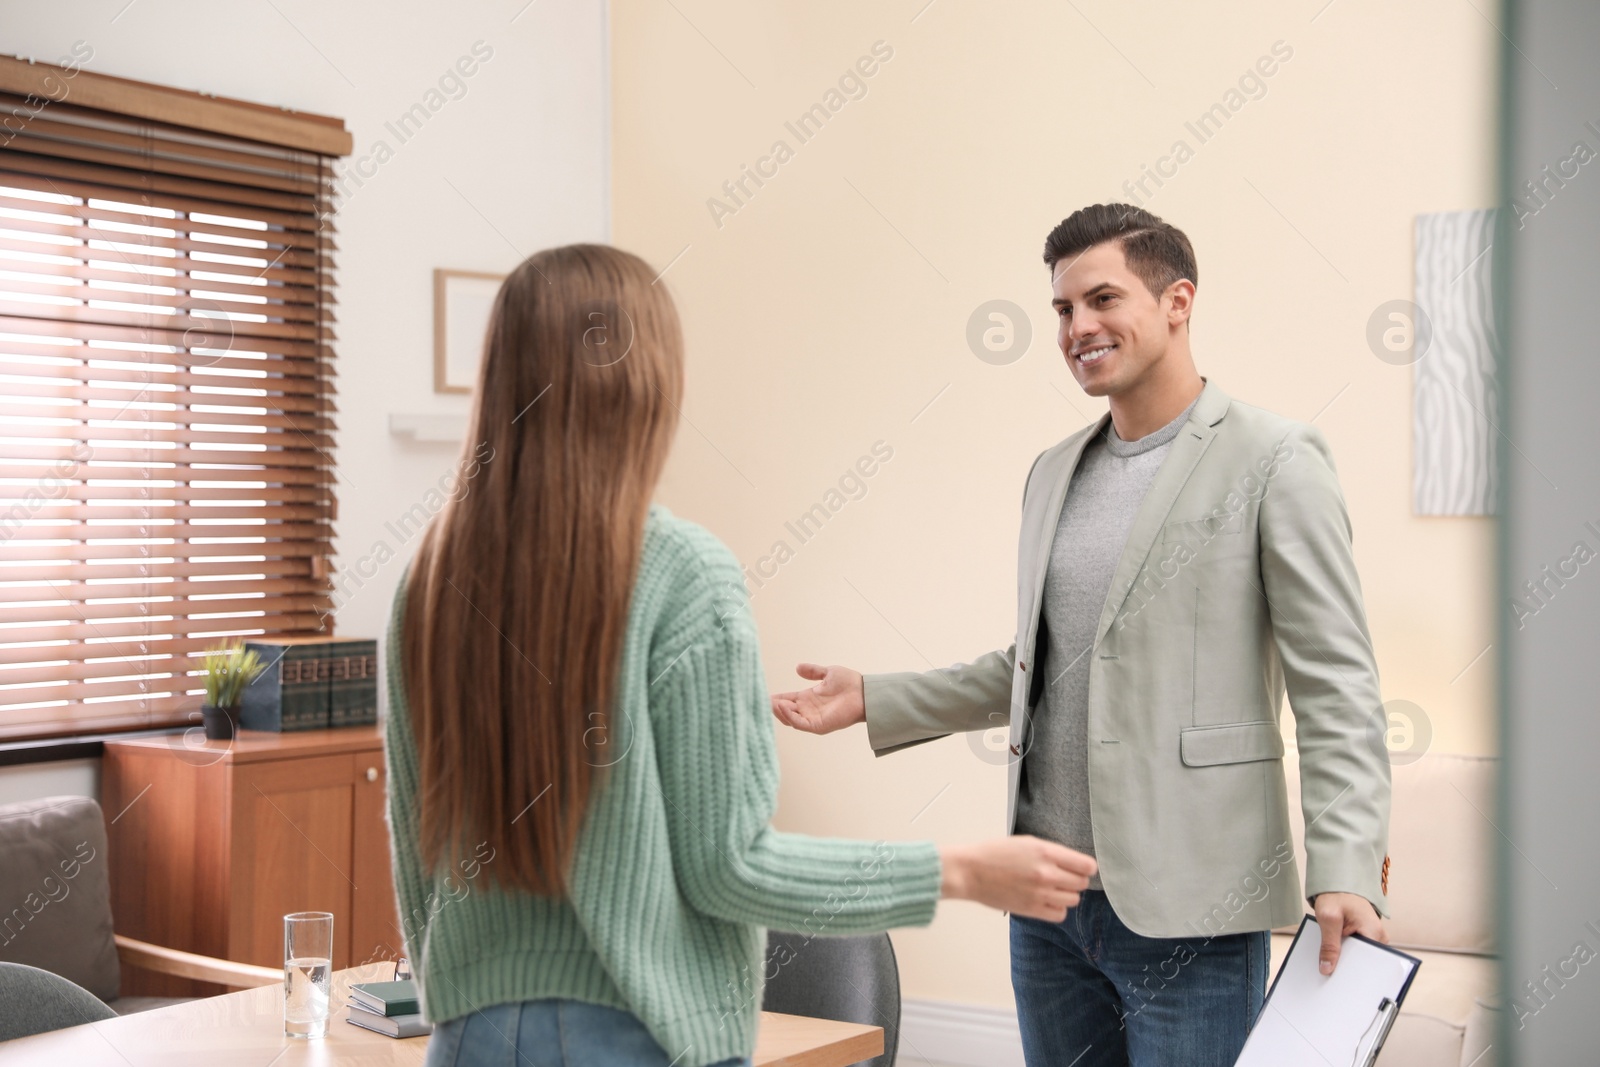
x=1157, y=252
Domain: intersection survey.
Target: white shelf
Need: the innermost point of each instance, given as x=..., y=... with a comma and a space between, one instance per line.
x=429, y=426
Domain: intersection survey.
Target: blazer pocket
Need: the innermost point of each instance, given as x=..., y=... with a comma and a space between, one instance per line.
x=1203, y=529
x=1234, y=742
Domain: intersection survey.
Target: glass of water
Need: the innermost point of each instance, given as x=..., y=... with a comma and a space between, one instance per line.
x=307, y=972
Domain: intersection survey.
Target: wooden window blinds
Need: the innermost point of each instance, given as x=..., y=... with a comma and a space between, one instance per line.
x=166, y=390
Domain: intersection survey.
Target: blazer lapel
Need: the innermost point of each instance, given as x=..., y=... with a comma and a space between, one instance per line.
x=1187, y=448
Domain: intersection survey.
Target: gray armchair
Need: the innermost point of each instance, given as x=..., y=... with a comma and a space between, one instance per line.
x=847, y=979
x=36, y=1001
x=55, y=916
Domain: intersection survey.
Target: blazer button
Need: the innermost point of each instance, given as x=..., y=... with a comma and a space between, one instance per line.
x=1022, y=665
x=1014, y=751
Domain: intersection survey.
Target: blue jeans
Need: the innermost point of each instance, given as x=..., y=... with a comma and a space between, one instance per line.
x=552, y=1033
x=1092, y=993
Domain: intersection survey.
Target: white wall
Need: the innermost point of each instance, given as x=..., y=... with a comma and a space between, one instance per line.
x=524, y=146
x=29, y=781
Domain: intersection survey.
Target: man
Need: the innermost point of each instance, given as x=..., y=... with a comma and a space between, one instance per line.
x=1199, y=566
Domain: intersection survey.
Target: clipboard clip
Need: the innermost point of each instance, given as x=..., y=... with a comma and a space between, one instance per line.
x=1383, y=1019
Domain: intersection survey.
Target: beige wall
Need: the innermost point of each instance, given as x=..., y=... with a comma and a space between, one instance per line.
x=829, y=310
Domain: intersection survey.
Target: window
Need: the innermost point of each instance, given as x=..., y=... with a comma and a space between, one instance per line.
x=166, y=390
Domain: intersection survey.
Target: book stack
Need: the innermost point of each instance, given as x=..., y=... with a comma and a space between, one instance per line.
x=388, y=1008
x=311, y=683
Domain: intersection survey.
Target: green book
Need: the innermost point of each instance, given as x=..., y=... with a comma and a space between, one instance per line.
x=386, y=998
x=353, y=683
x=388, y=1025
x=314, y=713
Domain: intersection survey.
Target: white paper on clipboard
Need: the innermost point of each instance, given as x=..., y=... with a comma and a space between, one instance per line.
x=1313, y=1020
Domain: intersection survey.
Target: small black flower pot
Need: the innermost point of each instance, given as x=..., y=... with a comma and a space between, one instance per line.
x=220, y=723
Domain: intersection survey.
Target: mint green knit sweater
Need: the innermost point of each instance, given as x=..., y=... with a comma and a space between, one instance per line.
x=677, y=874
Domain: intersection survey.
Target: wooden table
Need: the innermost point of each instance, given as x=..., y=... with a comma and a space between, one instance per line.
x=246, y=1030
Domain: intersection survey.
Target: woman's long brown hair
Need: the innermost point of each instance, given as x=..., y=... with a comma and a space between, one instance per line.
x=517, y=600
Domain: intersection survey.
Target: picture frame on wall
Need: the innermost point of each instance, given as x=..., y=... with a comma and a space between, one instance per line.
x=462, y=300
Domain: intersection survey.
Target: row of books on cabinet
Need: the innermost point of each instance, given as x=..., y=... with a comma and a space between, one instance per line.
x=311, y=683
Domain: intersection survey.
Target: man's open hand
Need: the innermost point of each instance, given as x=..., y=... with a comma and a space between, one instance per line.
x=1341, y=914
x=836, y=701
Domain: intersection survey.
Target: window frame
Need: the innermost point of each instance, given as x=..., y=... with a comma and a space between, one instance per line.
x=133, y=220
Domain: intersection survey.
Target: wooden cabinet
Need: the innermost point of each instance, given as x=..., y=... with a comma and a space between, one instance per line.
x=213, y=842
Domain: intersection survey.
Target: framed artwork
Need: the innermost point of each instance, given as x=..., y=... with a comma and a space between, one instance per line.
x=462, y=300
x=1456, y=401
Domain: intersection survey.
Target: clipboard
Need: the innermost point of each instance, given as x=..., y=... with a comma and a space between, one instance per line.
x=1313, y=1020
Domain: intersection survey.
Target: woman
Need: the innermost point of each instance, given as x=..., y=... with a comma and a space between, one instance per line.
x=581, y=762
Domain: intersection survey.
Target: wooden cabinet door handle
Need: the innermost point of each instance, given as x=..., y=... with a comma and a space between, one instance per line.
x=372, y=774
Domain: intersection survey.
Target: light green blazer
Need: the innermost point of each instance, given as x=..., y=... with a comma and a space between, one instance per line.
x=1236, y=583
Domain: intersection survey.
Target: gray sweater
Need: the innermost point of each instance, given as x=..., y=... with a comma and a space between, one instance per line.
x=1106, y=490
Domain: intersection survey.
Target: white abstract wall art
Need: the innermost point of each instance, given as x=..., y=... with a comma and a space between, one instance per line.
x=1456, y=405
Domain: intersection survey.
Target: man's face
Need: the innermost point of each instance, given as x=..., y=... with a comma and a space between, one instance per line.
x=1111, y=329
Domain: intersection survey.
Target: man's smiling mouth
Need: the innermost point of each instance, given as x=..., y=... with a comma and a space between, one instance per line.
x=1090, y=356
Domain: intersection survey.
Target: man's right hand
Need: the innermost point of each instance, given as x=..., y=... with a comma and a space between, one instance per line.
x=836, y=701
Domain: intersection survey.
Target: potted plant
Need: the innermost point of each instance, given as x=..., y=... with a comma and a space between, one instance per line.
x=229, y=668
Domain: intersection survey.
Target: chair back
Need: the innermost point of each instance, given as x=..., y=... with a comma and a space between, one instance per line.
x=55, y=892
x=847, y=979
x=33, y=1001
